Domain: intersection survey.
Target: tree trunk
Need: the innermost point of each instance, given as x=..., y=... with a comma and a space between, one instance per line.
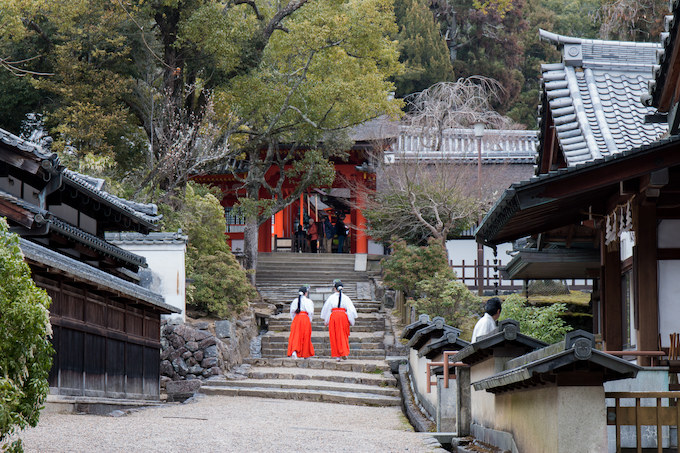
x=250, y=246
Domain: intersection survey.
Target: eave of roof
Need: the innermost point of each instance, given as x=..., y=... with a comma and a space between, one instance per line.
x=146, y=215
x=448, y=341
x=551, y=263
x=410, y=330
x=593, y=97
x=537, y=199
x=436, y=329
x=507, y=333
x=664, y=71
x=82, y=271
x=579, y=350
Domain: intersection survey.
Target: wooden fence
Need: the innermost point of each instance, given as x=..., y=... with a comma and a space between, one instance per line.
x=467, y=273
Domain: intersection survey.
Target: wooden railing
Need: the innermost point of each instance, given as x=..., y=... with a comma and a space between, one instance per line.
x=445, y=364
x=467, y=273
x=638, y=415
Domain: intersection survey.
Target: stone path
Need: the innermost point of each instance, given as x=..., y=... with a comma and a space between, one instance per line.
x=233, y=424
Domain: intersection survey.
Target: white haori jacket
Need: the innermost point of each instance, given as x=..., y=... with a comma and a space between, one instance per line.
x=332, y=302
x=307, y=305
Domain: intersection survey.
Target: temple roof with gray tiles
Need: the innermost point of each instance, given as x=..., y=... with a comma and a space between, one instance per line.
x=594, y=96
x=450, y=341
x=435, y=329
x=575, y=353
x=147, y=239
x=461, y=145
x=668, y=40
x=146, y=213
x=506, y=334
x=83, y=271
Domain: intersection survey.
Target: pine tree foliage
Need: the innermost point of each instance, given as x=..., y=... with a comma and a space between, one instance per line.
x=423, y=50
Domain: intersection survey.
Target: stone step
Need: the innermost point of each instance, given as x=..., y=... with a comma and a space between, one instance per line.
x=306, y=384
x=358, y=366
x=326, y=353
x=380, y=379
x=328, y=396
x=304, y=257
x=358, y=327
x=320, y=336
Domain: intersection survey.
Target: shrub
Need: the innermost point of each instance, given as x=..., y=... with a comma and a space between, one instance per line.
x=25, y=350
x=542, y=323
x=409, y=264
x=450, y=299
x=219, y=284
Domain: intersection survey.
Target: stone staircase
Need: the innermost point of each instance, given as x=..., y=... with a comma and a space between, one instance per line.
x=356, y=382
x=363, y=379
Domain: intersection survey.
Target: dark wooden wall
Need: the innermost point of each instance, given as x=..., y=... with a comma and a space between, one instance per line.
x=105, y=346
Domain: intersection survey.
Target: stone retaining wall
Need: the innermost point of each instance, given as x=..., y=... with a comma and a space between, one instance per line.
x=200, y=350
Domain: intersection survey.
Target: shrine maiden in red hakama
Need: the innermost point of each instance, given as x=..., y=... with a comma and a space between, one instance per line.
x=338, y=313
x=301, y=312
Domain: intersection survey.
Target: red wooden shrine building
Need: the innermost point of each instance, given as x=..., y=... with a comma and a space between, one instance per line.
x=343, y=198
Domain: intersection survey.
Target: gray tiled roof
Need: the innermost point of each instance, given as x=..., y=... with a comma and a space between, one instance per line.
x=461, y=145
x=151, y=238
x=147, y=213
x=65, y=229
x=594, y=96
x=664, y=55
x=93, y=275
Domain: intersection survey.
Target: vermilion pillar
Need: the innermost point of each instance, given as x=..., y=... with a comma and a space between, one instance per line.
x=361, y=238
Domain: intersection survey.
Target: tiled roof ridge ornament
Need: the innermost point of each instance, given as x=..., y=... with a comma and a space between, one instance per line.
x=439, y=322
x=509, y=327
x=452, y=336
x=582, y=342
x=424, y=318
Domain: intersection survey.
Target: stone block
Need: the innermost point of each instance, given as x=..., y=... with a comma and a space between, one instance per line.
x=201, y=335
x=207, y=342
x=196, y=369
x=190, y=377
x=223, y=329
x=182, y=390
x=209, y=362
x=210, y=351
x=191, y=361
x=180, y=366
x=191, y=346
x=198, y=355
x=176, y=341
x=166, y=368
x=186, y=355
x=315, y=364
x=201, y=325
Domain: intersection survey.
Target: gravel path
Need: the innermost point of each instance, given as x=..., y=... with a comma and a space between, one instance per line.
x=231, y=424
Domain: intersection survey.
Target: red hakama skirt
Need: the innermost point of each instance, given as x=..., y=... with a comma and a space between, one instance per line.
x=300, y=339
x=338, y=329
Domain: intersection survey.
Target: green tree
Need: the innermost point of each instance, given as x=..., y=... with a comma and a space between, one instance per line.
x=409, y=264
x=219, y=285
x=25, y=350
x=442, y=296
x=422, y=48
x=542, y=323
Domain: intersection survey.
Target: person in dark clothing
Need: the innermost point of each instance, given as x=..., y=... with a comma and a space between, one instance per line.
x=328, y=233
x=341, y=232
x=300, y=239
x=313, y=233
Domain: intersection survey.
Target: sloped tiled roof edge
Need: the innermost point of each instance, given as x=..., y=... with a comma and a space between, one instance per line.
x=146, y=239
x=91, y=274
x=147, y=213
x=506, y=205
x=668, y=42
x=593, y=96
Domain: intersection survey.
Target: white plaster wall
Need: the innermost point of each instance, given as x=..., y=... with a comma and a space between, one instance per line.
x=482, y=403
x=669, y=307
x=166, y=262
x=419, y=368
x=668, y=233
x=554, y=419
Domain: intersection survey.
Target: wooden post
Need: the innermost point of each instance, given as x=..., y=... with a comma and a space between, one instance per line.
x=646, y=281
x=612, y=307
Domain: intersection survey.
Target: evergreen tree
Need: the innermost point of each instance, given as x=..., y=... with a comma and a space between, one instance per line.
x=422, y=48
